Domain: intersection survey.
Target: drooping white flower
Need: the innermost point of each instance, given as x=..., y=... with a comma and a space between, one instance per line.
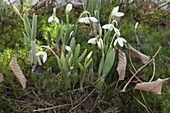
x=87, y=20
x=68, y=48
x=92, y=41
x=53, y=18
x=108, y=26
x=100, y=43
x=116, y=31
x=116, y=13
x=93, y=19
x=120, y=41
x=69, y=7
x=44, y=54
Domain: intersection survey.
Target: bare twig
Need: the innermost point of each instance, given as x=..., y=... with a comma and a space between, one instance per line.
x=36, y=95
x=145, y=101
x=140, y=69
x=82, y=100
x=142, y=104
x=49, y=108
x=153, y=74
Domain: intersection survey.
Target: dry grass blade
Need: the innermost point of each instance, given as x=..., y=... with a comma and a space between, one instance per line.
x=1, y=77
x=141, y=56
x=18, y=72
x=154, y=87
x=121, y=68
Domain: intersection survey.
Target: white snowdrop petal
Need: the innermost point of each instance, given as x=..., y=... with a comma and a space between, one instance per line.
x=92, y=41
x=117, y=31
x=93, y=19
x=115, y=10
x=100, y=43
x=84, y=20
x=108, y=26
x=56, y=19
x=120, y=42
x=122, y=39
x=69, y=7
x=119, y=14
x=44, y=54
x=115, y=42
x=68, y=48
x=50, y=19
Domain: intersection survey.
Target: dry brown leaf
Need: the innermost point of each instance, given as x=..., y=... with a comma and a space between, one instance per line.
x=154, y=87
x=121, y=68
x=141, y=56
x=18, y=72
x=1, y=77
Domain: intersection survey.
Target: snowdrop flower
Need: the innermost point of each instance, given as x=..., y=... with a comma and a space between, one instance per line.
x=69, y=7
x=44, y=54
x=116, y=31
x=108, y=26
x=86, y=20
x=92, y=41
x=53, y=18
x=68, y=48
x=116, y=13
x=120, y=41
x=111, y=27
x=100, y=43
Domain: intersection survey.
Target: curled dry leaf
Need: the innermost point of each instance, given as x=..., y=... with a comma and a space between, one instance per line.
x=1, y=77
x=18, y=72
x=154, y=87
x=141, y=56
x=121, y=68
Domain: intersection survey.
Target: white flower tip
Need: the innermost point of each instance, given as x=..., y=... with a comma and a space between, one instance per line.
x=100, y=43
x=92, y=41
x=69, y=7
x=44, y=54
x=68, y=48
x=136, y=25
x=89, y=55
x=50, y=19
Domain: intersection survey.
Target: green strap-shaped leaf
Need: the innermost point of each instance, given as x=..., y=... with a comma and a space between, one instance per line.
x=82, y=56
x=72, y=43
x=100, y=67
x=34, y=51
x=27, y=42
x=108, y=62
x=76, y=54
x=34, y=27
x=87, y=64
x=27, y=26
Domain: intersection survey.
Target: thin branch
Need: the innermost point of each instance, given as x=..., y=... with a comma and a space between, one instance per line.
x=54, y=107
x=82, y=100
x=145, y=101
x=153, y=74
x=142, y=104
x=140, y=69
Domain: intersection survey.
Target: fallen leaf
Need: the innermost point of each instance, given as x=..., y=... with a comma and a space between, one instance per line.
x=18, y=72
x=1, y=77
x=154, y=87
x=121, y=68
x=141, y=56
